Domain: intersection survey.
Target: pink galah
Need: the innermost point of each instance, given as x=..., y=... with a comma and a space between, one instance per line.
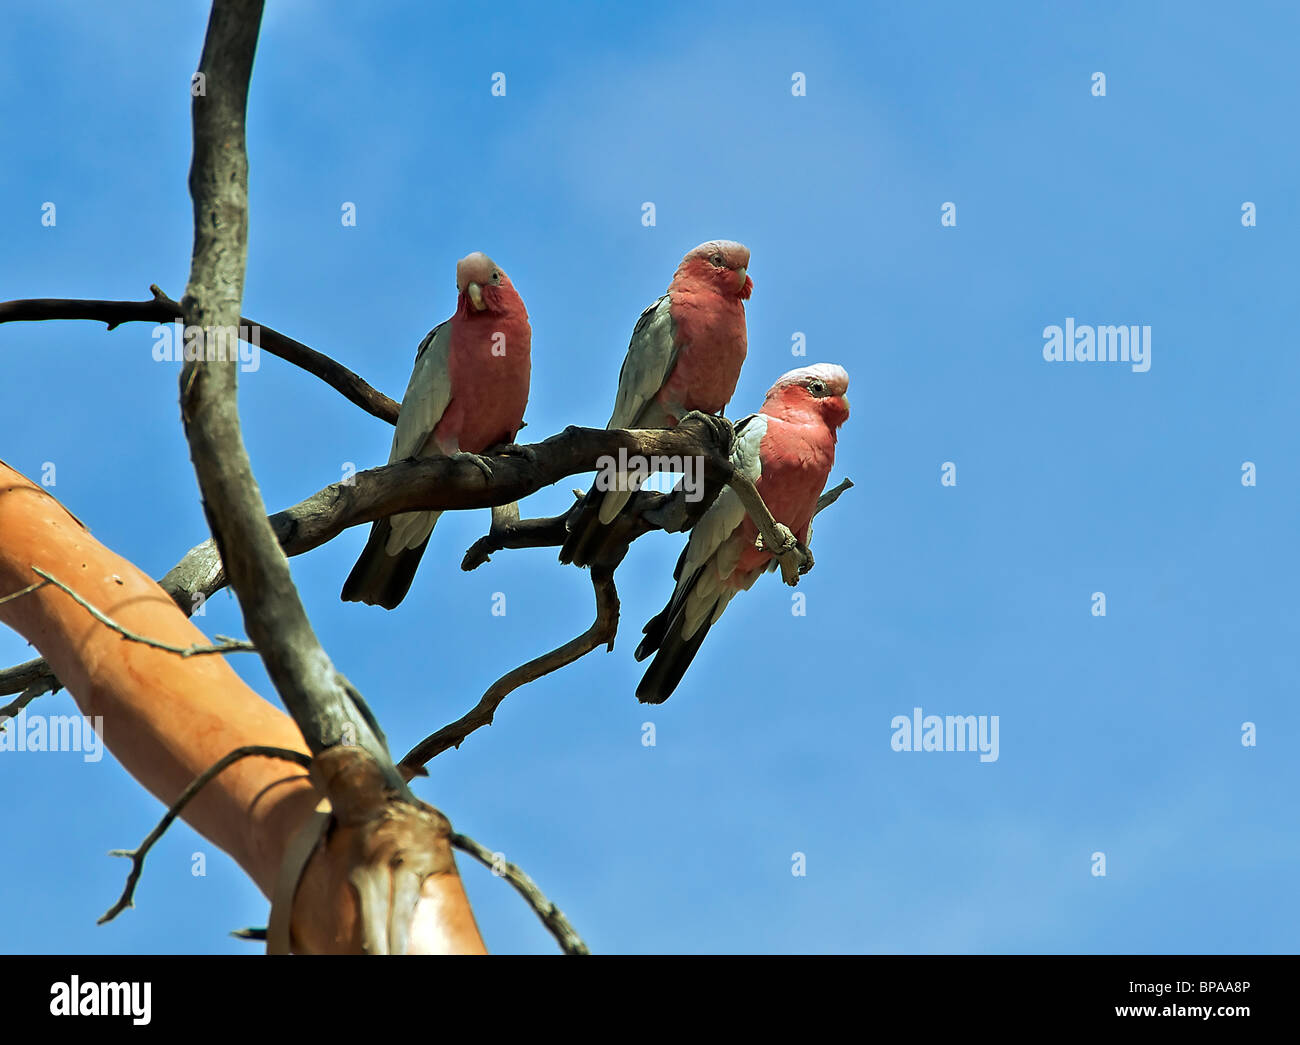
x=467, y=394
x=787, y=449
x=686, y=353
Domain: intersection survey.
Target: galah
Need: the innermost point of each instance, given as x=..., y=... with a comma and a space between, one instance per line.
x=686, y=353
x=467, y=393
x=787, y=449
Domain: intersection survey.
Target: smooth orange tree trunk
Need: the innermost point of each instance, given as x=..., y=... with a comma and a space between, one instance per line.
x=168, y=718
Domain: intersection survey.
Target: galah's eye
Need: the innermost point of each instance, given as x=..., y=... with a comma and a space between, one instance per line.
x=817, y=387
x=717, y=260
x=496, y=277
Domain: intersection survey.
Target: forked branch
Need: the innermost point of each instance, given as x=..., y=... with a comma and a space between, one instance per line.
x=602, y=631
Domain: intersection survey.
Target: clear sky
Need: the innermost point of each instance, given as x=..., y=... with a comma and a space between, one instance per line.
x=1119, y=734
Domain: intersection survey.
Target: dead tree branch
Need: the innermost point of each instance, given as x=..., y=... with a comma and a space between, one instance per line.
x=443, y=483
x=602, y=631
x=648, y=510
x=223, y=644
x=162, y=309
x=47, y=684
x=27, y=591
x=552, y=917
x=832, y=495
x=326, y=708
x=520, y=533
x=313, y=522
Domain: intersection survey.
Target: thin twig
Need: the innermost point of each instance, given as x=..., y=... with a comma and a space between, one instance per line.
x=831, y=496
x=521, y=533
x=601, y=632
x=48, y=684
x=552, y=917
x=533, y=533
x=196, y=785
x=29, y=680
x=24, y=591
x=162, y=309
x=224, y=644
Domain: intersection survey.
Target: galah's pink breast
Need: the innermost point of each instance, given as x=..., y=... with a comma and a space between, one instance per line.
x=797, y=460
x=711, y=333
x=489, y=365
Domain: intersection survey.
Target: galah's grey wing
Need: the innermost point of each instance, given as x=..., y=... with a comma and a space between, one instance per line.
x=650, y=358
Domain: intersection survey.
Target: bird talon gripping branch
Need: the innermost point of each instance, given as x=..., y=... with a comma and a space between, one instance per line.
x=477, y=460
x=515, y=450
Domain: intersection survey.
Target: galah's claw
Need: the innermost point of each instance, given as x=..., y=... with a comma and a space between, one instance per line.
x=788, y=541
x=481, y=463
x=515, y=450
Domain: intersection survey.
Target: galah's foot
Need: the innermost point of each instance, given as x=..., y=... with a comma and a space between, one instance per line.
x=481, y=463
x=791, y=570
x=515, y=450
x=788, y=541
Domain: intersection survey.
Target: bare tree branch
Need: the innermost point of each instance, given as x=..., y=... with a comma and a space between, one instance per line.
x=223, y=645
x=548, y=532
x=831, y=496
x=47, y=683
x=313, y=522
x=27, y=591
x=20, y=676
x=602, y=631
x=447, y=484
x=552, y=917
x=551, y=532
x=651, y=510
x=24, y=676
x=326, y=708
x=127, y=899
x=162, y=309
x=391, y=844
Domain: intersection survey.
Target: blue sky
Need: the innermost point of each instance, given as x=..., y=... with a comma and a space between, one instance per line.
x=1118, y=734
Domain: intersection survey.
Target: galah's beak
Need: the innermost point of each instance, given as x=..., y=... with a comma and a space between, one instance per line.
x=475, y=293
x=845, y=400
x=742, y=272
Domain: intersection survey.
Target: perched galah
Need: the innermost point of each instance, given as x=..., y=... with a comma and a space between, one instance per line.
x=787, y=450
x=467, y=394
x=686, y=353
